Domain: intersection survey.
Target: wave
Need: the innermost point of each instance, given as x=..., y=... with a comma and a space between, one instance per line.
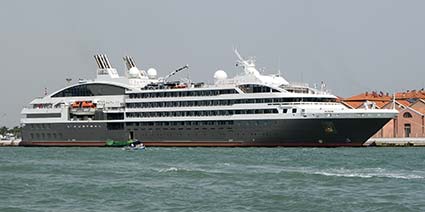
x=361, y=173
x=181, y=169
x=218, y=168
x=172, y=169
x=331, y=172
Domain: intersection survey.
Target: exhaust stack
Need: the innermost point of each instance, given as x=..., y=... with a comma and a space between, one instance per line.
x=99, y=62
x=105, y=68
x=129, y=62
x=107, y=63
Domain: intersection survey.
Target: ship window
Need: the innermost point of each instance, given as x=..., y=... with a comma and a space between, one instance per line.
x=95, y=89
x=183, y=93
x=294, y=110
x=253, y=88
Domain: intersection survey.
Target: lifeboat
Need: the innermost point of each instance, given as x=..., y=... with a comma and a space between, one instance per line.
x=88, y=104
x=76, y=104
x=180, y=86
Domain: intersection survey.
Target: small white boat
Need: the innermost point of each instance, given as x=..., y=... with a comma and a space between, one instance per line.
x=133, y=146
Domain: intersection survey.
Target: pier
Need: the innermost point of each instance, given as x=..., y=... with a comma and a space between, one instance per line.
x=14, y=142
x=395, y=142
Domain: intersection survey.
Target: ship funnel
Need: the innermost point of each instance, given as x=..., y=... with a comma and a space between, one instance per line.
x=106, y=61
x=129, y=62
x=131, y=66
x=132, y=61
x=105, y=68
x=102, y=61
x=98, y=62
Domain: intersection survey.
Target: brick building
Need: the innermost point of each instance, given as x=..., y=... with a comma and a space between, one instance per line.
x=410, y=122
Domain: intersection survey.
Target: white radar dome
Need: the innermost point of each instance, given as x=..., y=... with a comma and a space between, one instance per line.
x=152, y=73
x=220, y=75
x=133, y=72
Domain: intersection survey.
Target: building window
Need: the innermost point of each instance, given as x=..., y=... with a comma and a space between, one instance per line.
x=407, y=130
x=407, y=115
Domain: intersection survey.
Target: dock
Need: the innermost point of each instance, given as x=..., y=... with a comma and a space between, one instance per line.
x=395, y=142
x=14, y=142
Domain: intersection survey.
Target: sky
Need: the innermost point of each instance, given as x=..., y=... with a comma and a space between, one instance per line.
x=353, y=46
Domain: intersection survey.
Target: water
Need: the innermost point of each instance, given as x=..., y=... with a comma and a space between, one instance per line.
x=212, y=179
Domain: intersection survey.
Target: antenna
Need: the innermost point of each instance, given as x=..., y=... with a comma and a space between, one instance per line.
x=188, y=76
x=278, y=66
x=238, y=55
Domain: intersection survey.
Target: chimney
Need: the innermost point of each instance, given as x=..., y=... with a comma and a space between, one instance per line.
x=126, y=62
x=99, y=62
x=108, y=64
x=132, y=61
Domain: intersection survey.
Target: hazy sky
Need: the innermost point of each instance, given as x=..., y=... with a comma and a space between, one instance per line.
x=353, y=46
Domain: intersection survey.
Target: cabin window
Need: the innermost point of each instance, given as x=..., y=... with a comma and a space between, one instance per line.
x=44, y=115
x=184, y=93
x=253, y=88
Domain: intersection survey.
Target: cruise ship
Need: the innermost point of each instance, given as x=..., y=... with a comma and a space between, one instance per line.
x=249, y=109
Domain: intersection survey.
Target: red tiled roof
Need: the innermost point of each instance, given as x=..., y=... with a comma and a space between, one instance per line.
x=404, y=102
x=411, y=95
x=381, y=104
x=354, y=104
x=373, y=96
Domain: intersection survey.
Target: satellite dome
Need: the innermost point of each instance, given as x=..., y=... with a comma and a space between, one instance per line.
x=152, y=73
x=133, y=72
x=220, y=75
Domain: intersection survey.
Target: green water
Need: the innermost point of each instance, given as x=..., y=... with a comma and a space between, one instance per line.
x=212, y=179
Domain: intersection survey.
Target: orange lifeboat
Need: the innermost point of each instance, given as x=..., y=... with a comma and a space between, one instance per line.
x=180, y=86
x=88, y=104
x=76, y=104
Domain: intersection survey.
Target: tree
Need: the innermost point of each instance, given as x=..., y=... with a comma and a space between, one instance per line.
x=16, y=131
x=3, y=130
